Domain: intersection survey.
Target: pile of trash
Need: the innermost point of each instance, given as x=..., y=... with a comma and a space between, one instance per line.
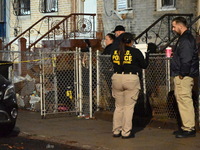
x=28, y=93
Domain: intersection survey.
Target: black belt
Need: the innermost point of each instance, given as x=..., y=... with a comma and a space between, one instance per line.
x=126, y=73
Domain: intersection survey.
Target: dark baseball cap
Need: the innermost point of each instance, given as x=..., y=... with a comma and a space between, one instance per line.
x=119, y=28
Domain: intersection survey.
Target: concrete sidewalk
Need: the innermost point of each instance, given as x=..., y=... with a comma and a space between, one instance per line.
x=97, y=135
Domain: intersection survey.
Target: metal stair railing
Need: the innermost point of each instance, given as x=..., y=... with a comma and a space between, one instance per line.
x=56, y=27
x=160, y=31
x=194, y=29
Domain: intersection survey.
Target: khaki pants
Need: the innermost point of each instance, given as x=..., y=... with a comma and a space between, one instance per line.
x=183, y=93
x=125, y=90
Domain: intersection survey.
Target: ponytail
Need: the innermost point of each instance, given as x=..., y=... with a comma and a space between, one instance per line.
x=126, y=39
x=121, y=51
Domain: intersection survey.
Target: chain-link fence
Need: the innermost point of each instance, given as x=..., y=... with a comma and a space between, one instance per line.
x=157, y=94
x=69, y=83
x=59, y=82
x=87, y=83
x=79, y=83
x=55, y=82
x=106, y=101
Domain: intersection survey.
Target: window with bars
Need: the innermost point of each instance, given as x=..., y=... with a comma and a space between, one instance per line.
x=48, y=6
x=1, y=10
x=21, y=7
x=166, y=5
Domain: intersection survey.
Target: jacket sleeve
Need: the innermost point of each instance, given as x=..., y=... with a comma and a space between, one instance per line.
x=186, y=49
x=143, y=62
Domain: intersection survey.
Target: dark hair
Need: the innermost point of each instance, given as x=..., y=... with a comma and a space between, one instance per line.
x=111, y=36
x=126, y=39
x=181, y=20
x=119, y=28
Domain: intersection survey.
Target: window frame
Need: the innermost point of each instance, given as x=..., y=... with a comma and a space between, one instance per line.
x=161, y=7
x=123, y=5
x=2, y=10
x=43, y=8
x=21, y=7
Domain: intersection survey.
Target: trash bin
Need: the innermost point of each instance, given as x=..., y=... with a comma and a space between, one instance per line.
x=4, y=68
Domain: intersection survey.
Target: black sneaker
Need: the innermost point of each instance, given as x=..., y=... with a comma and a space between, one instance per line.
x=177, y=132
x=185, y=134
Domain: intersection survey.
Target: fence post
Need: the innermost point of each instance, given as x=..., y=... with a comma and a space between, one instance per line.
x=80, y=82
x=144, y=87
x=22, y=48
x=41, y=85
x=90, y=80
x=168, y=75
x=98, y=84
x=43, y=101
x=77, y=79
x=55, y=84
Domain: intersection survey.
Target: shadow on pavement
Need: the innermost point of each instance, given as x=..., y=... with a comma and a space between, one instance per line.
x=142, y=114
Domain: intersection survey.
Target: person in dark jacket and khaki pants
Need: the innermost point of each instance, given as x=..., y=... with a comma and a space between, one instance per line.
x=128, y=63
x=184, y=67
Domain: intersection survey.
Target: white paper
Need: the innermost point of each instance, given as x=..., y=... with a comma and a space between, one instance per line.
x=142, y=48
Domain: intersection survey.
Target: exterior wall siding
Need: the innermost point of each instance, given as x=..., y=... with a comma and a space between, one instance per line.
x=143, y=14
x=23, y=22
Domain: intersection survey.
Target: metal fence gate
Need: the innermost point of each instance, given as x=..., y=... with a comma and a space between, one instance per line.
x=69, y=83
x=58, y=83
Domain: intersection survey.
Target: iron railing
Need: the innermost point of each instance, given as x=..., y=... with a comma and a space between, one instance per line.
x=194, y=29
x=55, y=30
x=160, y=32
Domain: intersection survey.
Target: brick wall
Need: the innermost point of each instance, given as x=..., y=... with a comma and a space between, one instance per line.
x=23, y=22
x=144, y=14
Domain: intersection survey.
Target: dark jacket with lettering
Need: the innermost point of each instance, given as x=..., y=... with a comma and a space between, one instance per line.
x=133, y=61
x=185, y=60
x=107, y=50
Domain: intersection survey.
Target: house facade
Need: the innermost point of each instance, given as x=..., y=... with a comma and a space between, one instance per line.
x=3, y=14
x=135, y=15
x=24, y=13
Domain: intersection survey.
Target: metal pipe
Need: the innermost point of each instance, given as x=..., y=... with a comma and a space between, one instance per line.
x=77, y=79
x=168, y=74
x=80, y=83
x=41, y=91
x=43, y=101
x=144, y=87
x=90, y=80
x=98, y=84
x=55, y=85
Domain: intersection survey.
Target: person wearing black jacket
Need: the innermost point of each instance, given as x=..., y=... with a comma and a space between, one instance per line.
x=118, y=31
x=109, y=39
x=184, y=67
x=127, y=64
